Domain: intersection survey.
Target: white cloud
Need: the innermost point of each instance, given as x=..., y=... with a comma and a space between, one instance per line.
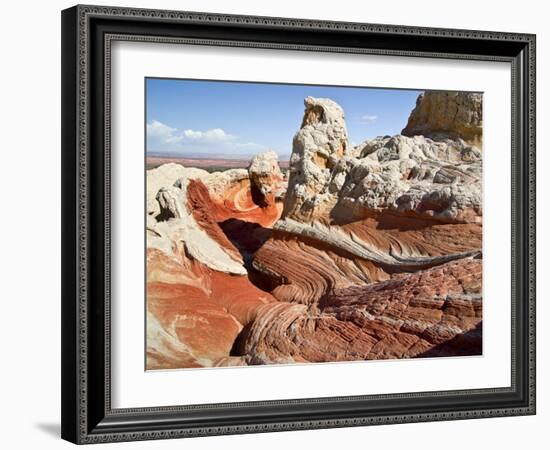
x=158, y=129
x=213, y=135
x=163, y=137
x=162, y=133
x=368, y=119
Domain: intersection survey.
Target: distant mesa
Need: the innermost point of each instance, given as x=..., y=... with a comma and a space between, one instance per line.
x=206, y=161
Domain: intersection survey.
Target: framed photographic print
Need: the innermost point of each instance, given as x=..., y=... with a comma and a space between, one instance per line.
x=280, y=224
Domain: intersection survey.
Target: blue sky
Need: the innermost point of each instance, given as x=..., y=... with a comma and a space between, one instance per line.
x=188, y=117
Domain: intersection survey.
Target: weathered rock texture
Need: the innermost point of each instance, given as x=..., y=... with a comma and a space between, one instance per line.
x=377, y=253
x=393, y=208
x=431, y=313
x=198, y=295
x=265, y=174
x=451, y=114
x=306, y=265
x=439, y=179
x=320, y=143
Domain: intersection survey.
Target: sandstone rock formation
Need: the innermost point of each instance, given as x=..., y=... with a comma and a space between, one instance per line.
x=431, y=313
x=440, y=179
x=178, y=230
x=413, y=175
x=198, y=295
x=450, y=114
x=265, y=174
x=321, y=141
x=165, y=176
x=392, y=208
x=376, y=254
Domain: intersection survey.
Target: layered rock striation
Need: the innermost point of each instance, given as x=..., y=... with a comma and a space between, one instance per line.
x=365, y=252
x=376, y=243
x=424, y=314
x=199, y=296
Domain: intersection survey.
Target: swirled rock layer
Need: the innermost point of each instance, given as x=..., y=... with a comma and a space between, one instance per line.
x=372, y=251
x=195, y=314
x=199, y=296
x=305, y=262
x=378, y=251
x=431, y=313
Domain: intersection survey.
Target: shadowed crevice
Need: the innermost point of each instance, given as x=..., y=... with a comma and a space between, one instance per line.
x=465, y=344
x=247, y=237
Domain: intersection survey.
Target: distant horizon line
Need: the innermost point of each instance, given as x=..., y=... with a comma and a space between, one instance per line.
x=204, y=155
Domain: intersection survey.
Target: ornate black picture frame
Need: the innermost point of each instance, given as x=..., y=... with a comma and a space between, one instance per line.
x=87, y=34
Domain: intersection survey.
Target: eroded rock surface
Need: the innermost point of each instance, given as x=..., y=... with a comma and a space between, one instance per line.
x=447, y=114
x=199, y=297
x=376, y=254
x=265, y=174
x=431, y=313
x=321, y=141
x=305, y=266
x=392, y=208
x=401, y=174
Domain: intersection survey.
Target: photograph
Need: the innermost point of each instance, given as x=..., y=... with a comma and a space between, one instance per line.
x=295, y=224
x=276, y=220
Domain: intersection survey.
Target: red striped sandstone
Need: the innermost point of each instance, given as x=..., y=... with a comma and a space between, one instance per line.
x=377, y=254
